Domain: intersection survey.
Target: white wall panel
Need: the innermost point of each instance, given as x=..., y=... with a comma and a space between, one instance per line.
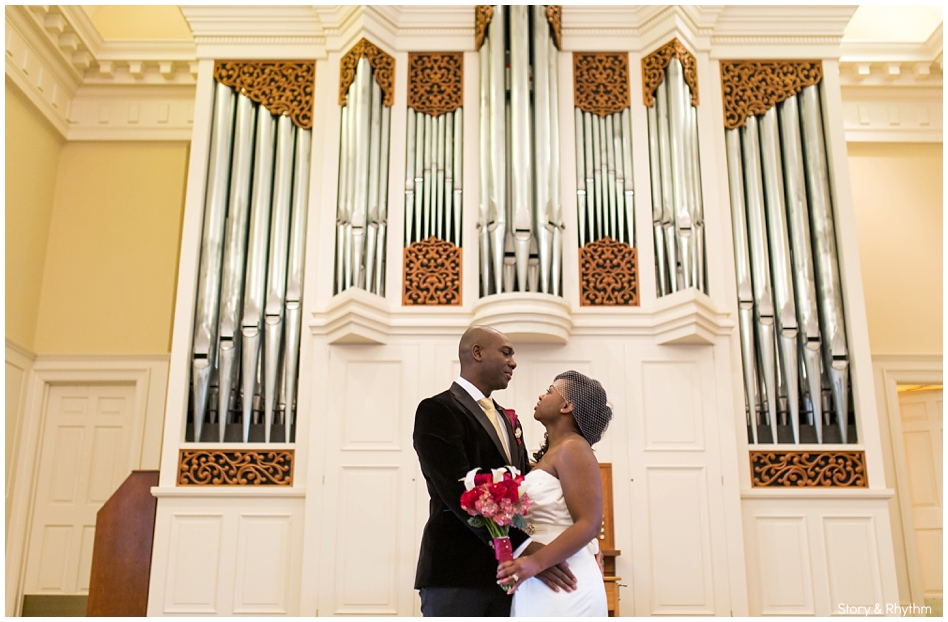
x=263, y=560
x=373, y=393
x=852, y=561
x=366, y=581
x=671, y=394
x=783, y=565
x=194, y=564
x=679, y=533
x=66, y=471
x=107, y=471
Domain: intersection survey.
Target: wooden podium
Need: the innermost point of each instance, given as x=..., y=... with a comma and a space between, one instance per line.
x=607, y=541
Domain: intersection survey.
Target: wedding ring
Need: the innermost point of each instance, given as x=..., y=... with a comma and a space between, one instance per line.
x=515, y=577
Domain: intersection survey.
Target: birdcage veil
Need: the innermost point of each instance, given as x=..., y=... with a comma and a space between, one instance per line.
x=591, y=409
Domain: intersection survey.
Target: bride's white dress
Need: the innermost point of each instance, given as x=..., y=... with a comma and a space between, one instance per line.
x=550, y=517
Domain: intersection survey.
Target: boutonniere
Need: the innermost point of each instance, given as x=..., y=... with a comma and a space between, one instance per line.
x=515, y=423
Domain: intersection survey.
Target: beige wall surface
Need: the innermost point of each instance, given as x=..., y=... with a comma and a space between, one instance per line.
x=111, y=267
x=897, y=193
x=32, y=160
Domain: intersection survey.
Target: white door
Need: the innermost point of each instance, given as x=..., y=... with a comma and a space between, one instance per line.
x=84, y=457
x=922, y=434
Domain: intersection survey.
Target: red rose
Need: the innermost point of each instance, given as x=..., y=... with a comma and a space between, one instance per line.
x=497, y=491
x=514, y=423
x=468, y=498
x=483, y=478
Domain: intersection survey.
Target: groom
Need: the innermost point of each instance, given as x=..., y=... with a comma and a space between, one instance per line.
x=456, y=431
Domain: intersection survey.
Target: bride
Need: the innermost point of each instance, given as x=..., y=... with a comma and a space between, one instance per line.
x=566, y=514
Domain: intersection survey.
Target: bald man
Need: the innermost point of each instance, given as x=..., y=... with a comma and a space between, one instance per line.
x=453, y=434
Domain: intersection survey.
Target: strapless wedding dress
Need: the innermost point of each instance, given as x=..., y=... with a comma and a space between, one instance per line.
x=550, y=517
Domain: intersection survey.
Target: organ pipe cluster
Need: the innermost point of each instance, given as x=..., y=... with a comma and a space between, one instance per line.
x=433, y=164
x=677, y=204
x=520, y=222
x=604, y=177
x=793, y=335
x=362, y=204
x=245, y=352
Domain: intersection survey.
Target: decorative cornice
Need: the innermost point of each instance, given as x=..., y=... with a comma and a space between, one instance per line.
x=601, y=82
x=132, y=113
x=382, y=64
x=809, y=469
x=282, y=87
x=435, y=82
x=654, y=65
x=482, y=16
x=752, y=87
x=689, y=317
x=526, y=317
x=894, y=113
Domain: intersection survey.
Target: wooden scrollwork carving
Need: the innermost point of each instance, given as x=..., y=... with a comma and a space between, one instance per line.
x=813, y=469
x=240, y=467
x=601, y=82
x=435, y=82
x=753, y=87
x=282, y=87
x=432, y=273
x=608, y=274
x=654, y=65
x=383, y=68
x=482, y=16
x=554, y=15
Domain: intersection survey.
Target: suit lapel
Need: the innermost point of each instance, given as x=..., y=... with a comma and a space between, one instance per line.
x=478, y=413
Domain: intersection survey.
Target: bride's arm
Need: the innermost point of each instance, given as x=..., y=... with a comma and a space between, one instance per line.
x=578, y=472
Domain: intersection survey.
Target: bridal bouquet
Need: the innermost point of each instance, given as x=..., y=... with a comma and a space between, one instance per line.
x=494, y=500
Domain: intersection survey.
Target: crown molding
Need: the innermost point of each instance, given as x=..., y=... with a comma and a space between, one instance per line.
x=132, y=112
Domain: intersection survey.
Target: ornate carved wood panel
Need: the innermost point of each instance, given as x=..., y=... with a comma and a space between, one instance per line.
x=432, y=273
x=753, y=87
x=383, y=67
x=601, y=82
x=840, y=469
x=482, y=15
x=654, y=65
x=237, y=467
x=435, y=82
x=608, y=274
x=282, y=87
x=554, y=14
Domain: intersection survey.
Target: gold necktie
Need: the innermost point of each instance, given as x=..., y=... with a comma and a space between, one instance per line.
x=488, y=405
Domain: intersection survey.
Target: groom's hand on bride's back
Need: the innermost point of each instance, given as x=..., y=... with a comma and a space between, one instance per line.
x=558, y=577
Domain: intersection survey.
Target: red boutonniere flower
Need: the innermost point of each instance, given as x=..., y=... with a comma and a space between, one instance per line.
x=515, y=423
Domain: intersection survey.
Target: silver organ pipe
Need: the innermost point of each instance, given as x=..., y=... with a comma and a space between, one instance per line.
x=251, y=323
x=235, y=255
x=251, y=267
x=784, y=235
x=676, y=185
x=521, y=216
x=456, y=189
x=276, y=266
x=362, y=198
x=785, y=314
x=830, y=298
x=294, y=277
x=204, y=347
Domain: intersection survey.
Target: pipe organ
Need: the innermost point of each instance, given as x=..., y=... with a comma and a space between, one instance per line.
x=520, y=222
x=362, y=200
x=793, y=336
x=737, y=388
x=677, y=205
x=248, y=320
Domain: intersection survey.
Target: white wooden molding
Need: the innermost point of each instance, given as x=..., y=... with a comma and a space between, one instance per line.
x=149, y=374
x=890, y=370
x=893, y=113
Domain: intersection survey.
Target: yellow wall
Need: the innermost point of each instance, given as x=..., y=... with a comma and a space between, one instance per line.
x=32, y=159
x=110, y=271
x=897, y=191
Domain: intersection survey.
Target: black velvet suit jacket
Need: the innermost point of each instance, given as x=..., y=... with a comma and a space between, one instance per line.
x=452, y=435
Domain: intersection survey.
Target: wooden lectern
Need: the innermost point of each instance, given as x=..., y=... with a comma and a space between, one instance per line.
x=607, y=541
